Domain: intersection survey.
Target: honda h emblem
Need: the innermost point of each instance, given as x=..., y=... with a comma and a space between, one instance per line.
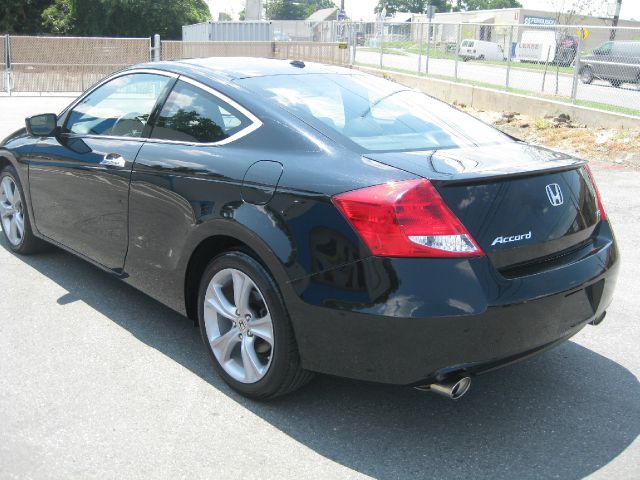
x=555, y=194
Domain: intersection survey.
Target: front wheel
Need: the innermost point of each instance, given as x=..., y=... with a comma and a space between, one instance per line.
x=14, y=215
x=246, y=328
x=586, y=75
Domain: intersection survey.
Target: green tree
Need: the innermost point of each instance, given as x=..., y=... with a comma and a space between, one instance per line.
x=414, y=6
x=59, y=17
x=487, y=4
x=22, y=16
x=295, y=9
x=137, y=18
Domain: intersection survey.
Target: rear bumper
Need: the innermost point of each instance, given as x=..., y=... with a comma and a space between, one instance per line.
x=404, y=321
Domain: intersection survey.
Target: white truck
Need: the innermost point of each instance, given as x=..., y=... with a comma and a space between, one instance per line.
x=480, y=50
x=536, y=46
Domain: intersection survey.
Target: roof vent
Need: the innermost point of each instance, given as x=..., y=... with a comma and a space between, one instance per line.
x=298, y=64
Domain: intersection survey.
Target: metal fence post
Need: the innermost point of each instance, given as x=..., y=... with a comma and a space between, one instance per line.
x=382, y=45
x=421, y=30
x=509, y=58
x=7, y=62
x=576, y=73
x=354, y=43
x=155, y=49
x=429, y=26
x=459, y=41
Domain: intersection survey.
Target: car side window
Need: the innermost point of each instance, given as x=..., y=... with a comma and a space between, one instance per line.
x=193, y=115
x=120, y=107
x=605, y=48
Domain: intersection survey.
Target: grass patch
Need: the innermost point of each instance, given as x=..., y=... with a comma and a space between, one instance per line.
x=603, y=106
x=404, y=48
x=542, y=123
x=385, y=50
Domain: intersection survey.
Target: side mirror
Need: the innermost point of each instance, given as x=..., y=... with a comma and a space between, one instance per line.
x=44, y=125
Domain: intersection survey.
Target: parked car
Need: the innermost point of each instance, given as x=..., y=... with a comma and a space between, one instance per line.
x=616, y=62
x=316, y=219
x=481, y=50
x=360, y=39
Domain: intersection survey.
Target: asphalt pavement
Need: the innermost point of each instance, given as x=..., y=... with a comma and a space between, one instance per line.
x=531, y=80
x=99, y=381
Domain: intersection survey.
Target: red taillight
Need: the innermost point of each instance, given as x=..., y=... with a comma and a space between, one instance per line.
x=603, y=215
x=406, y=219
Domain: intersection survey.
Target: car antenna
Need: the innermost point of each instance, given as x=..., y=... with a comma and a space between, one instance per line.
x=298, y=63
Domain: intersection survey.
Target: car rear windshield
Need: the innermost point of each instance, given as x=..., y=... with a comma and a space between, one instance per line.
x=376, y=114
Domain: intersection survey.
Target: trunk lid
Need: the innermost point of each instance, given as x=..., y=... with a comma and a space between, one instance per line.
x=526, y=206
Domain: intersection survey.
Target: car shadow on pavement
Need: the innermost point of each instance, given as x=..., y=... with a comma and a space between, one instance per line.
x=564, y=414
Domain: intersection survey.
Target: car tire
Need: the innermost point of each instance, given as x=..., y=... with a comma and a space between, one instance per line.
x=14, y=215
x=246, y=328
x=586, y=75
x=615, y=83
x=481, y=58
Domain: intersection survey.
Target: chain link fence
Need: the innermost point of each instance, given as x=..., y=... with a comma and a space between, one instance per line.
x=175, y=50
x=565, y=63
x=322, y=52
x=579, y=64
x=70, y=64
x=329, y=53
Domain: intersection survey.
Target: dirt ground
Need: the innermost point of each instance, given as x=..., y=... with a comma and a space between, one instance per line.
x=617, y=148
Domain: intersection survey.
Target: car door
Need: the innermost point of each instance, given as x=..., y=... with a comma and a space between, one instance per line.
x=188, y=172
x=79, y=179
x=624, y=54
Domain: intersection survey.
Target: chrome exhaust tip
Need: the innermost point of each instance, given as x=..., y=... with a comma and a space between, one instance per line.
x=453, y=388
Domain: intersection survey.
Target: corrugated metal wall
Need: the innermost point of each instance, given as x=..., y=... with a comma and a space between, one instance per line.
x=228, y=32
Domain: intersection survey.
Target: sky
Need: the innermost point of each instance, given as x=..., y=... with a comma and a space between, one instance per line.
x=363, y=9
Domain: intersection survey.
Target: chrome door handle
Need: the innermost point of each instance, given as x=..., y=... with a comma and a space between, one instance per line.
x=113, y=160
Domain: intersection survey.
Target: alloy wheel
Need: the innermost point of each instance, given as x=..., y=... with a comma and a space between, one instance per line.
x=11, y=211
x=238, y=325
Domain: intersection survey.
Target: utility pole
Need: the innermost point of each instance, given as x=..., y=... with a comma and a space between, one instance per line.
x=616, y=17
x=342, y=15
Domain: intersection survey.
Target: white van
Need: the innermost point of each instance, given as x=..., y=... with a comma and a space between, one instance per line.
x=481, y=50
x=536, y=46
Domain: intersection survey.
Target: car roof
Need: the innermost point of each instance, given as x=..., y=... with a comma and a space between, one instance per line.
x=233, y=68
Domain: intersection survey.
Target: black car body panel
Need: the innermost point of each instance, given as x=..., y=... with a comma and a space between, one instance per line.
x=156, y=220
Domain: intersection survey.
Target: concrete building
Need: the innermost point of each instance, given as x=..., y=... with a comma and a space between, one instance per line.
x=253, y=10
x=495, y=25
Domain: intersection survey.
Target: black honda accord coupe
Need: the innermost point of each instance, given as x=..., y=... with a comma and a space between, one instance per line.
x=316, y=219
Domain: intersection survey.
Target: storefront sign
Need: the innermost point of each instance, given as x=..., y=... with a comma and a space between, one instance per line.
x=546, y=21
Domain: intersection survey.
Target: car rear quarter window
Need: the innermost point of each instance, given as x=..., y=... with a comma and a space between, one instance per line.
x=121, y=107
x=194, y=115
x=375, y=114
